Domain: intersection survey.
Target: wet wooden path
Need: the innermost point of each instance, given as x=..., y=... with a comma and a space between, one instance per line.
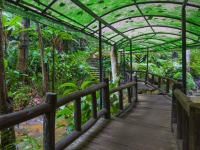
x=145, y=126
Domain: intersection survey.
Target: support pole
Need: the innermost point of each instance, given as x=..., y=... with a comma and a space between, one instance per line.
x=124, y=66
x=100, y=61
x=184, y=47
x=131, y=71
x=146, y=77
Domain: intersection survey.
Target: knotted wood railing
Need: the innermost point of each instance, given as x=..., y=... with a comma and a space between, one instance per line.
x=48, y=109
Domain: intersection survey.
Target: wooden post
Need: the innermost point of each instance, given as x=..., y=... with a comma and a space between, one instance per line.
x=129, y=95
x=194, y=120
x=106, y=98
x=179, y=120
x=185, y=130
x=94, y=105
x=121, y=100
x=174, y=104
x=77, y=114
x=49, y=123
x=152, y=80
x=159, y=82
x=167, y=87
x=110, y=75
x=146, y=77
x=136, y=88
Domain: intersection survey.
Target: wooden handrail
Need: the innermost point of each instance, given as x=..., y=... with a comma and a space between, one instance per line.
x=75, y=95
x=49, y=109
x=119, y=88
x=187, y=118
x=171, y=80
x=183, y=99
x=23, y=115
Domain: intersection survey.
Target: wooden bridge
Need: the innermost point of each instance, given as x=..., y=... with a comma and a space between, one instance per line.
x=161, y=121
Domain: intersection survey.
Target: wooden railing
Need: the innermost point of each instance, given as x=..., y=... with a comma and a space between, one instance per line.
x=186, y=118
x=161, y=80
x=48, y=109
x=185, y=115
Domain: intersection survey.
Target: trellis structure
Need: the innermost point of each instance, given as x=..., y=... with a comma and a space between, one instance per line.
x=134, y=25
x=131, y=25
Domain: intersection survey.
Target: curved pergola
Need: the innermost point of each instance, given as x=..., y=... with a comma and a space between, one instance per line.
x=119, y=19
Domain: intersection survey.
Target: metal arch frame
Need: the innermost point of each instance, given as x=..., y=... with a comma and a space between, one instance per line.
x=159, y=26
x=155, y=45
x=49, y=7
x=144, y=16
x=176, y=46
x=157, y=50
x=157, y=33
x=90, y=12
x=161, y=44
x=150, y=2
x=155, y=39
x=56, y=20
x=176, y=18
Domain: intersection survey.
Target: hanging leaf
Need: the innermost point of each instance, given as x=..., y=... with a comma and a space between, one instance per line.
x=84, y=84
x=4, y=20
x=14, y=20
x=68, y=91
x=69, y=84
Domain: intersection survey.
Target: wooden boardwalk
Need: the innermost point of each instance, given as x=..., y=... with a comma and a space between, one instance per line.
x=145, y=126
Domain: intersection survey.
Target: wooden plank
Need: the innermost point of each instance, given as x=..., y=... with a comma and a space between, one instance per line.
x=135, y=128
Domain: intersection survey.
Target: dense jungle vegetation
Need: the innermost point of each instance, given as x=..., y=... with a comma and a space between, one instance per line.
x=39, y=59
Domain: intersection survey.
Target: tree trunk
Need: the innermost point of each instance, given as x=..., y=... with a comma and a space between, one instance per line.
x=60, y=46
x=44, y=74
x=68, y=46
x=114, y=62
x=6, y=104
x=23, y=49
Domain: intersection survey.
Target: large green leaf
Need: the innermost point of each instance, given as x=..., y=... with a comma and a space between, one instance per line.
x=21, y=30
x=6, y=63
x=4, y=20
x=14, y=20
x=67, y=91
x=69, y=85
x=65, y=111
x=84, y=84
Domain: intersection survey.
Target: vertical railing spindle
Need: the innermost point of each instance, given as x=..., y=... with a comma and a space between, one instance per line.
x=49, y=123
x=106, y=98
x=94, y=105
x=159, y=82
x=185, y=130
x=77, y=114
x=152, y=79
x=167, y=86
x=194, y=132
x=121, y=100
x=179, y=120
x=129, y=94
